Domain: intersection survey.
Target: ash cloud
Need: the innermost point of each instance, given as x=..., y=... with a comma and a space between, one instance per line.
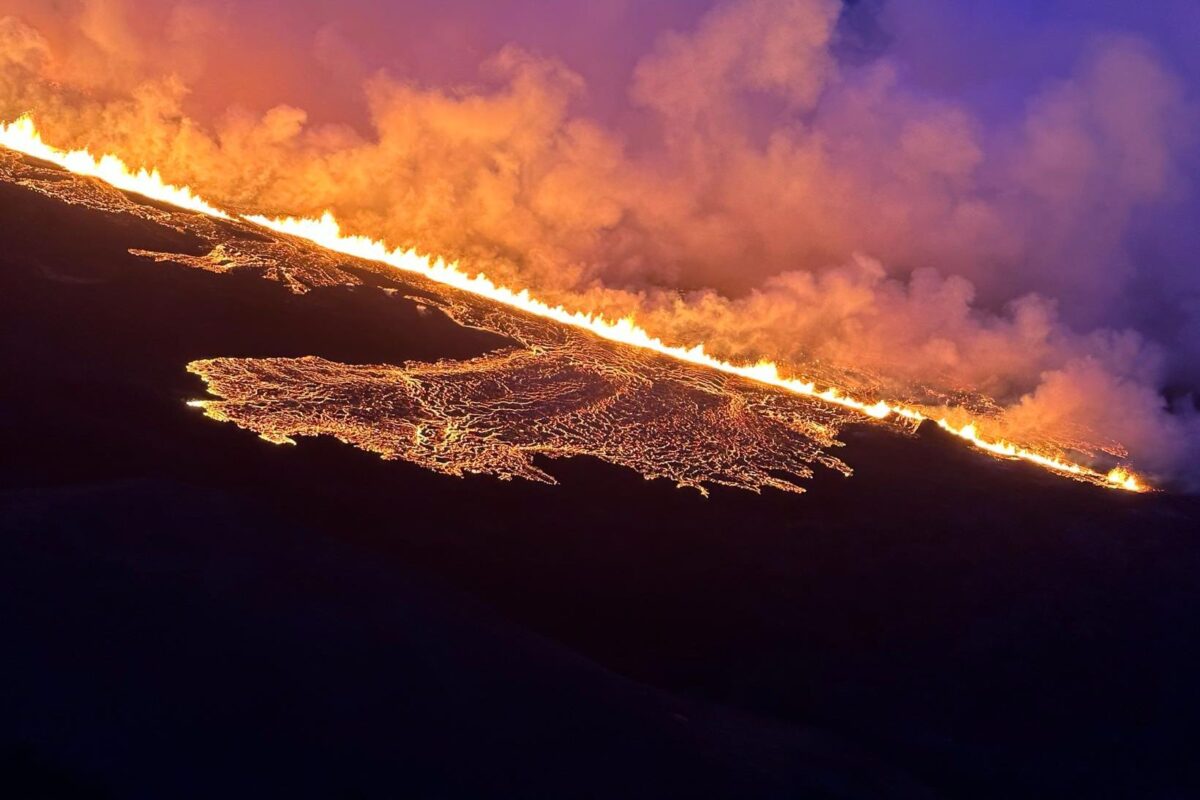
x=997, y=200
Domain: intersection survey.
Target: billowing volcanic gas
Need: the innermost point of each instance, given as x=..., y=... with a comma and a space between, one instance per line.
x=576, y=384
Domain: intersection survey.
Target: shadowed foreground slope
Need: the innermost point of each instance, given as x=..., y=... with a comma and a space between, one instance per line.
x=189, y=610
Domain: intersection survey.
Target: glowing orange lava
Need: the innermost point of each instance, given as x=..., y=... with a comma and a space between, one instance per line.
x=23, y=136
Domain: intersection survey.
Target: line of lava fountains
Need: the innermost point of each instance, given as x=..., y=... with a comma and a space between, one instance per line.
x=22, y=135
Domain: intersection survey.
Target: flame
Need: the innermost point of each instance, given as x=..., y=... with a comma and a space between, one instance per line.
x=23, y=136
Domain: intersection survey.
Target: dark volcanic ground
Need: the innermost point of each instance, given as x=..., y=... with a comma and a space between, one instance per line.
x=188, y=611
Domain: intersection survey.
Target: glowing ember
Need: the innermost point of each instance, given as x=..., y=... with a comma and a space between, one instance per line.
x=23, y=136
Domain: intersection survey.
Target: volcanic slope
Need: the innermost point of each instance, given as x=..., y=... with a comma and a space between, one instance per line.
x=1051, y=453
x=554, y=391
x=176, y=590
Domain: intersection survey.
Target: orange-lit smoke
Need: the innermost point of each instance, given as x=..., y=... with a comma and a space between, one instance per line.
x=858, y=227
